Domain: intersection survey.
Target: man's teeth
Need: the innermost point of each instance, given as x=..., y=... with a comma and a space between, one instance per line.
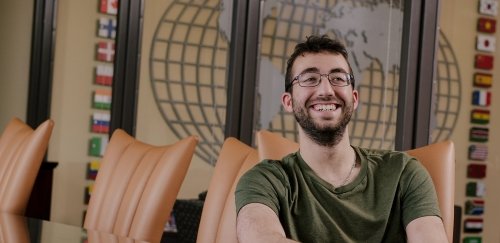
x=324, y=107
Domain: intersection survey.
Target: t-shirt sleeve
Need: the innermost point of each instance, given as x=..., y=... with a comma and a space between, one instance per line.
x=261, y=184
x=419, y=197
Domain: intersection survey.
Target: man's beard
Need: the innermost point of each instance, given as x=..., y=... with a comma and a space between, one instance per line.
x=327, y=136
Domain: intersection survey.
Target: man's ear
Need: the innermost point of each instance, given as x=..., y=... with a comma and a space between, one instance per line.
x=287, y=101
x=355, y=95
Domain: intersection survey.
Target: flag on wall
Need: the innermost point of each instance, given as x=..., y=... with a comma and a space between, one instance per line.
x=109, y=7
x=483, y=80
x=479, y=134
x=88, y=191
x=480, y=116
x=478, y=152
x=106, y=51
x=92, y=169
x=481, y=97
x=104, y=74
x=474, y=207
x=107, y=27
x=475, y=189
x=473, y=225
x=486, y=25
x=100, y=122
x=97, y=146
x=485, y=43
x=472, y=239
x=102, y=99
x=477, y=171
x=484, y=61
x=488, y=7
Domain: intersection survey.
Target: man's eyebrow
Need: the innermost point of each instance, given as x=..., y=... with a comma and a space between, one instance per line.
x=309, y=70
x=338, y=70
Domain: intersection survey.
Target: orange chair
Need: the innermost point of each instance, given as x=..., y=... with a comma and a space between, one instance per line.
x=13, y=228
x=438, y=159
x=21, y=154
x=136, y=186
x=218, y=218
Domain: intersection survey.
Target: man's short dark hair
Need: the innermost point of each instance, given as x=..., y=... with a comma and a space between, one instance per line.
x=315, y=44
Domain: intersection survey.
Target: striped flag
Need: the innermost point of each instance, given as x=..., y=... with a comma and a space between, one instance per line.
x=472, y=239
x=488, y=7
x=485, y=43
x=478, y=152
x=484, y=61
x=100, y=122
x=479, y=116
x=107, y=28
x=475, y=189
x=477, y=171
x=473, y=225
x=106, y=51
x=483, y=80
x=479, y=134
x=109, y=7
x=474, y=207
x=481, y=97
x=92, y=169
x=486, y=25
x=102, y=99
x=88, y=191
x=104, y=74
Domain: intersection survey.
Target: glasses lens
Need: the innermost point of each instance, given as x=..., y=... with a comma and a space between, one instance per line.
x=309, y=79
x=339, y=79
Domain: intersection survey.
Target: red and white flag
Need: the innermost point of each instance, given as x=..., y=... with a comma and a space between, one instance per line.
x=104, y=74
x=109, y=7
x=486, y=43
x=488, y=7
x=105, y=51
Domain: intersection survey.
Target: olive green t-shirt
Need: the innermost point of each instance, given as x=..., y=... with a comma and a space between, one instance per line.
x=391, y=190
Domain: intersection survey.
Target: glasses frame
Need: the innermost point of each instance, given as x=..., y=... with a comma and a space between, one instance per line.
x=349, y=77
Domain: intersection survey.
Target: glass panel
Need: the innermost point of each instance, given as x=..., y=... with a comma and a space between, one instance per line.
x=182, y=89
x=372, y=32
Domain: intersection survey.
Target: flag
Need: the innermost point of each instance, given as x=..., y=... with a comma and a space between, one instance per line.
x=481, y=97
x=92, y=169
x=474, y=207
x=485, y=43
x=479, y=116
x=486, y=25
x=484, y=61
x=109, y=7
x=97, y=146
x=478, y=152
x=106, y=51
x=100, y=122
x=473, y=225
x=88, y=192
x=479, y=134
x=475, y=189
x=488, y=7
x=477, y=171
x=483, y=80
x=104, y=74
x=472, y=239
x=107, y=27
x=102, y=99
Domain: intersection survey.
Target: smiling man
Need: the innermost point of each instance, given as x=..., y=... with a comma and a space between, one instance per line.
x=330, y=190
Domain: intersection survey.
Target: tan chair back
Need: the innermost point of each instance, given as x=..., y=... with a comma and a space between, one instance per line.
x=438, y=159
x=21, y=154
x=13, y=229
x=218, y=219
x=137, y=185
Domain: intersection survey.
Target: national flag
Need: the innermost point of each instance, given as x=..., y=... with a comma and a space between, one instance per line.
x=480, y=116
x=100, y=122
x=474, y=207
x=106, y=51
x=477, y=171
x=109, y=7
x=88, y=192
x=104, y=74
x=97, y=146
x=472, y=239
x=485, y=43
x=475, y=189
x=479, y=134
x=483, y=80
x=488, y=7
x=107, y=27
x=484, y=61
x=478, y=152
x=92, y=169
x=473, y=225
x=102, y=99
x=486, y=25
x=481, y=97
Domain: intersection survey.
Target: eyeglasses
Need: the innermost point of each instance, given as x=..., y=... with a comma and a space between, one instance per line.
x=312, y=79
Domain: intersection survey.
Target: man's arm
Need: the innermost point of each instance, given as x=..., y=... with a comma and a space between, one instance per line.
x=258, y=223
x=426, y=229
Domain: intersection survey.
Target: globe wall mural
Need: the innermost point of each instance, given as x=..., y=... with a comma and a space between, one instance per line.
x=188, y=67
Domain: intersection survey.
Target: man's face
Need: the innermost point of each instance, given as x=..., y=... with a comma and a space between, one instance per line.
x=324, y=111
